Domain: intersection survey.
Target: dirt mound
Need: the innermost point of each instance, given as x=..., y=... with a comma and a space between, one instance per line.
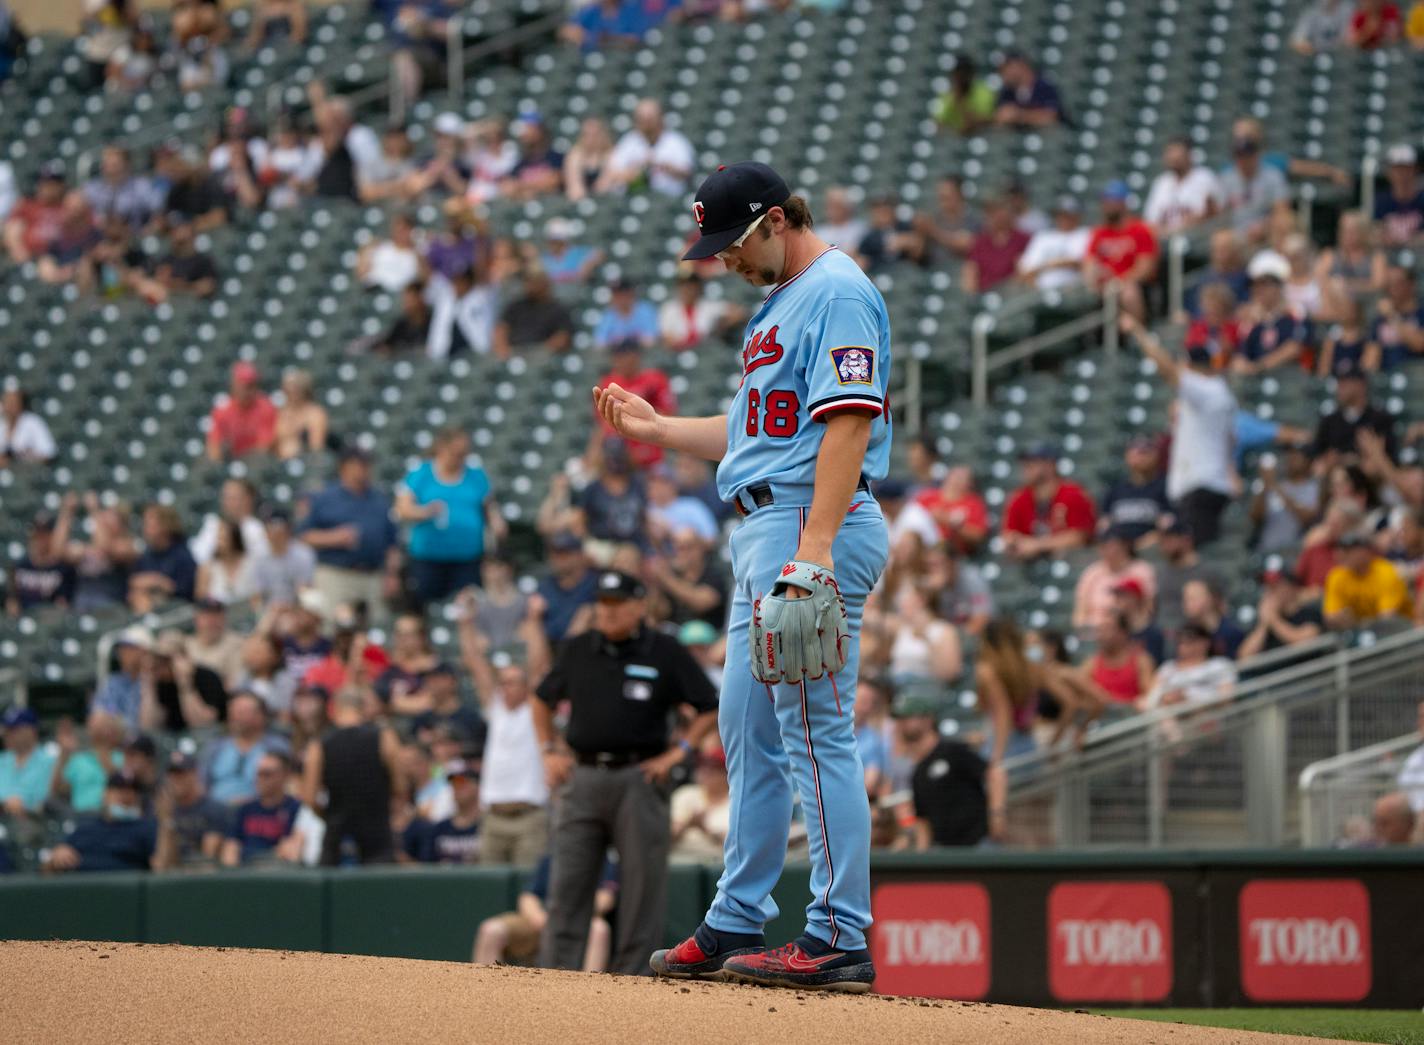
x=108, y=992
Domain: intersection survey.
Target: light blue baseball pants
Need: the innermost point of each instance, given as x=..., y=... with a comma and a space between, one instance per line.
x=802, y=735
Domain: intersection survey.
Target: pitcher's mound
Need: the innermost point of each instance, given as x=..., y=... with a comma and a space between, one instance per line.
x=111, y=992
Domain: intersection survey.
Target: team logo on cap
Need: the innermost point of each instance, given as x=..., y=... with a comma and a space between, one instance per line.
x=697, y=213
x=855, y=365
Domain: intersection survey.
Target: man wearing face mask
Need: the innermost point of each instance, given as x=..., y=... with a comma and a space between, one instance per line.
x=120, y=838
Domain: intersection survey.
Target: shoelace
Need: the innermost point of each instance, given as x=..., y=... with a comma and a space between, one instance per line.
x=782, y=953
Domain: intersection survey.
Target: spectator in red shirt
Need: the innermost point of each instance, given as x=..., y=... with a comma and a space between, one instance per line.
x=994, y=256
x=246, y=422
x=35, y=220
x=1122, y=250
x=649, y=382
x=949, y=513
x=1375, y=23
x=1216, y=330
x=1048, y=514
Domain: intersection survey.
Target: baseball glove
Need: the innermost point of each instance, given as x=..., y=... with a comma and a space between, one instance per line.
x=792, y=639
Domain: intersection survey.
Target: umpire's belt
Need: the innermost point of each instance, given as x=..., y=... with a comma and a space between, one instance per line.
x=749, y=498
x=612, y=759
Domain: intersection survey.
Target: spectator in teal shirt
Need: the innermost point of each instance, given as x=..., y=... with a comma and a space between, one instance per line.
x=455, y=514
x=80, y=773
x=626, y=319
x=25, y=769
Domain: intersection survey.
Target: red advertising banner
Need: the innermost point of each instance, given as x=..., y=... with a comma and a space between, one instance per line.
x=932, y=939
x=1110, y=941
x=1305, y=940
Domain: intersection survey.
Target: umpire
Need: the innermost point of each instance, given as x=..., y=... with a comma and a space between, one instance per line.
x=623, y=682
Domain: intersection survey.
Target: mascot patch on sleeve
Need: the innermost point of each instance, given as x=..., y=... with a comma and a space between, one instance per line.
x=854, y=365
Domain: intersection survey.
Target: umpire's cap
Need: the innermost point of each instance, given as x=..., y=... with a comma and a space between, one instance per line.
x=729, y=200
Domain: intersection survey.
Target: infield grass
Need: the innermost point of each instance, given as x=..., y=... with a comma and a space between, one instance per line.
x=1392, y=1026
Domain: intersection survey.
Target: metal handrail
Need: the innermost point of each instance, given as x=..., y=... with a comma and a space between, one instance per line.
x=1040, y=770
x=1311, y=774
x=1314, y=776
x=176, y=617
x=1104, y=318
x=1369, y=170
x=14, y=677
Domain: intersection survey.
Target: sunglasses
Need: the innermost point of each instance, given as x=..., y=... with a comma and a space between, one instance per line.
x=722, y=255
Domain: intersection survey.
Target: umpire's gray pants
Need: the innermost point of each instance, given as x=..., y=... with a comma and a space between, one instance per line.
x=596, y=807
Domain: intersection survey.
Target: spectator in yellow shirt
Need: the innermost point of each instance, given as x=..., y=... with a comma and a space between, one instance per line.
x=1363, y=586
x=1414, y=27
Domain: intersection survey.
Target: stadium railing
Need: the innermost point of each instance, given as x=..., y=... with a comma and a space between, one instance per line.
x=1224, y=773
x=1335, y=791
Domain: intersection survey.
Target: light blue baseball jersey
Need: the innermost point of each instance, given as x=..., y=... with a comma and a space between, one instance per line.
x=819, y=343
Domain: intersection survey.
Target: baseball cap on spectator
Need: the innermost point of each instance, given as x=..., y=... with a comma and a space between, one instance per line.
x=564, y=541
x=1351, y=373
x=246, y=373
x=53, y=170
x=1279, y=575
x=891, y=490
x=210, y=606
x=375, y=659
x=1042, y=451
x=697, y=633
x=1401, y=155
x=1067, y=205
x=1115, y=190
x=914, y=705
x=274, y=513
x=43, y=522
x=1132, y=586
x=449, y=123
x=628, y=344
x=1176, y=527
x=728, y=201
x=15, y=717
x=615, y=585
x=1117, y=533
x=142, y=745
x=313, y=601
x=136, y=636
x=1269, y=264
x=1198, y=355
x=1142, y=442
x=181, y=762
x=461, y=769
x=352, y=452
x=1353, y=539
x=559, y=229
x=122, y=778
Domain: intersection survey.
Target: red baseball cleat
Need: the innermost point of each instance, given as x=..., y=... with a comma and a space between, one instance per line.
x=805, y=965
x=691, y=960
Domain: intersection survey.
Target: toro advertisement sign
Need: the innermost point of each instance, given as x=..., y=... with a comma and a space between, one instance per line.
x=1305, y=940
x=932, y=938
x=1110, y=941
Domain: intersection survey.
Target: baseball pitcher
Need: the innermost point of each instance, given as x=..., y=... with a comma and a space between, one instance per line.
x=807, y=431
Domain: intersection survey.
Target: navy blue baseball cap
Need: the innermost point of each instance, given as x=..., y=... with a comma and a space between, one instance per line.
x=729, y=200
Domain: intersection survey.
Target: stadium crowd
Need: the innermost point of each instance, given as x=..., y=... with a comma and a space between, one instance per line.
x=310, y=670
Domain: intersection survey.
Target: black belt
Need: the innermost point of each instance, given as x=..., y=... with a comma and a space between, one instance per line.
x=760, y=493
x=612, y=759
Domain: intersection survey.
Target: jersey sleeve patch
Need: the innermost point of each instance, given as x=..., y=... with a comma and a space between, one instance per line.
x=855, y=364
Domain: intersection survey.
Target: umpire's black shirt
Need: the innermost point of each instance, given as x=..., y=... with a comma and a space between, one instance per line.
x=621, y=694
